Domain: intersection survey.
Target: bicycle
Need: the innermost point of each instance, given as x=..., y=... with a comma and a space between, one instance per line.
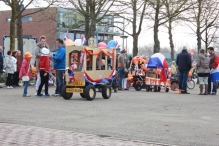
x=190, y=82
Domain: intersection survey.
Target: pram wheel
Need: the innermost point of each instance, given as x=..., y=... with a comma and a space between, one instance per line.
x=155, y=88
x=158, y=89
x=167, y=89
x=147, y=88
x=138, y=87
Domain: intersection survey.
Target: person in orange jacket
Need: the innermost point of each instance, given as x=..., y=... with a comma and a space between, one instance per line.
x=26, y=71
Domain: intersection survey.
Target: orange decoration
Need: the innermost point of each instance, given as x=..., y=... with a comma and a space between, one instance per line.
x=99, y=51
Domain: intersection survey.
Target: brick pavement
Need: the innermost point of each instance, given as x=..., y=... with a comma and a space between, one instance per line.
x=20, y=135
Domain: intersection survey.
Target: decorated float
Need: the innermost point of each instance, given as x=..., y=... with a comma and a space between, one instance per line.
x=88, y=68
x=151, y=74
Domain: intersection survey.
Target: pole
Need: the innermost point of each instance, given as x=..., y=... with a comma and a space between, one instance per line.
x=123, y=31
x=123, y=42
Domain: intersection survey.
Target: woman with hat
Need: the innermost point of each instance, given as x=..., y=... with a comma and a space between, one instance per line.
x=25, y=73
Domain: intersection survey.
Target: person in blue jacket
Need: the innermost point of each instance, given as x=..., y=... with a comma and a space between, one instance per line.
x=59, y=66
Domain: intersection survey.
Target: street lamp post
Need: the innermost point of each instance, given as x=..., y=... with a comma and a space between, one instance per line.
x=124, y=37
x=105, y=28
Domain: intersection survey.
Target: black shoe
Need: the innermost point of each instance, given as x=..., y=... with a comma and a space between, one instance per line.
x=213, y=93
x=185, y=92
x=0, y=86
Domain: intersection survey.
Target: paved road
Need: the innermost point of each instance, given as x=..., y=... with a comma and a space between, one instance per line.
x=13, y=134
x=167, y=118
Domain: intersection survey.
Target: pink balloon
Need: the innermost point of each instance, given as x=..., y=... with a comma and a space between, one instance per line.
x=102, y=45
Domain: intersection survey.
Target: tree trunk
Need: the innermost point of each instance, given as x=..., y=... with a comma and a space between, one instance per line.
x=206, y=37
x=12, y=26
x=87, y=22
x=171, y=39
x=90, y=22
x=135, y=46
x=20, y=33
x=198, y=33
x=135, y=35
x=156, y=26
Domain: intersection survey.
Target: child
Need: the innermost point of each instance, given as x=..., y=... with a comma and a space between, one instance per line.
x=44, y=67
x=25, y=73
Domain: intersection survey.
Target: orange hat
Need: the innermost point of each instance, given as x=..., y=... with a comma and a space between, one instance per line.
x=27, y=55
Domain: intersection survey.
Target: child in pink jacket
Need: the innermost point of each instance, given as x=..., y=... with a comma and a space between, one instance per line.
x=26, y=71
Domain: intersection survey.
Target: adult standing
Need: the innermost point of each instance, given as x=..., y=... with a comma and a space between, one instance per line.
x=1, y=62
x=184, y=65
x=122, y=67
x=203, y=71
x=16, y=80
x=38, y=53
x=59, y=66
x=14, y=60
x=212, y=57
x=9, y=69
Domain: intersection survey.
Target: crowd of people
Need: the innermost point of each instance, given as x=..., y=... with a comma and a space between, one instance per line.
x=204, y=64
x=16, y=71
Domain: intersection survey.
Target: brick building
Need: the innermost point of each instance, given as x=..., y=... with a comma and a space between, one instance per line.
x=34, y=25
x=50, y=23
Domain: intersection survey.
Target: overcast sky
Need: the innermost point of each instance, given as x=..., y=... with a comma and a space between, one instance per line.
x=181, y=35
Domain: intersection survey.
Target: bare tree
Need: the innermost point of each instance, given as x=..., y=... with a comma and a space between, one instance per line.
x=166, y=12
x=133, y=12
x=17, y=8
x=12, y=4
x=174, y=8
x=93, y=12
x=157, y=16
x=204, y=20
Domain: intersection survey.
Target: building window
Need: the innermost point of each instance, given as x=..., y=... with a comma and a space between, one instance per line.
x=27, y=19
x=8, y=20
x=23, y=19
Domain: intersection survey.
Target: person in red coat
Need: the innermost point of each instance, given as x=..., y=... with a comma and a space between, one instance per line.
x=26, y=71
x=44, y=67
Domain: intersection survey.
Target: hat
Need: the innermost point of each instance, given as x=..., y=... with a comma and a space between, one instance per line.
x=45, y=51
x=184, y=48
x=27, y=55
x=123, y=51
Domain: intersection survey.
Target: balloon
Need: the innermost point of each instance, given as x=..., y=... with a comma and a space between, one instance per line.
x=112, y=44
x=102, y=45
x=69, y=42
x=77, y=42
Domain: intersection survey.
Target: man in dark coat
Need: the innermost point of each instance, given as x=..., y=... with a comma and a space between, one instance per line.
x=1, y=62
x=184, y=65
